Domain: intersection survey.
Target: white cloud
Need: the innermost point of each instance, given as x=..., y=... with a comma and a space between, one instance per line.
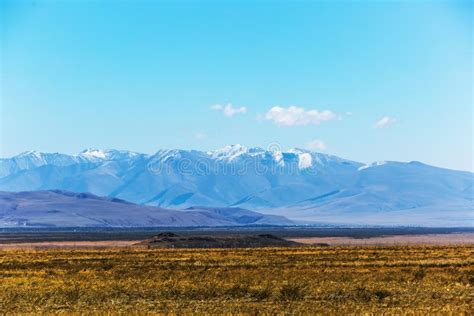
x=294, y=115
x=229, y=110
x=316, y=145
x=200, y=136
x=384, y=122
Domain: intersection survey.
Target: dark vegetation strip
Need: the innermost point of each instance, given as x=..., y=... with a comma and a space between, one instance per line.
x=99, y=234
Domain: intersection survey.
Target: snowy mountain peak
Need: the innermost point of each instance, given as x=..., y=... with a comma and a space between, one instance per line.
x=167, y=154
x=93, y=153
x=29, y=153
x=229, y=152
x=31, y=158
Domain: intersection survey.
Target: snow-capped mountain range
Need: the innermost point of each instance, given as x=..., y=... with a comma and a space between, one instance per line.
x=298, y=184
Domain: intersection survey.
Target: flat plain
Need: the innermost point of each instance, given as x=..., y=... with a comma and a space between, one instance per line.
x=396, y=240
x=339, y=279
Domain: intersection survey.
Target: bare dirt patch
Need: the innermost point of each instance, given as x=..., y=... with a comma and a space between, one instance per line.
x=68, y=244
x=401, y=240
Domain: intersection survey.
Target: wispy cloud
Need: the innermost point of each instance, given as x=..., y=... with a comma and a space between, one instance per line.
x=384, y=122
x=316, y=145
x=200, y=136
x=294, y=115
x=229, y=110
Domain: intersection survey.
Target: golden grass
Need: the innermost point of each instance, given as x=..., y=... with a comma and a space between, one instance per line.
x=276, y=280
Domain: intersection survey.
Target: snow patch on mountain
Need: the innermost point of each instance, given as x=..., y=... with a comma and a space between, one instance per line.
x=305, y=161
x=232, y=152
x=374, y=164
x=278, y=157
x=93, y=153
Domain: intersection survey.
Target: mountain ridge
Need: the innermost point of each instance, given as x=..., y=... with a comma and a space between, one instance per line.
x=298, y=183
x=58, y=208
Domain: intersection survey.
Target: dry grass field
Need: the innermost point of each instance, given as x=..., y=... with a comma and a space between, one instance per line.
x=421, y=279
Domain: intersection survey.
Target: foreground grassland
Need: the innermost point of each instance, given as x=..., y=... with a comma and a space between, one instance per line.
x=283, y=280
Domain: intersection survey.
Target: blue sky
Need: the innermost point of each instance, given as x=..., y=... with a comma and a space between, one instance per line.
x=365, y=80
